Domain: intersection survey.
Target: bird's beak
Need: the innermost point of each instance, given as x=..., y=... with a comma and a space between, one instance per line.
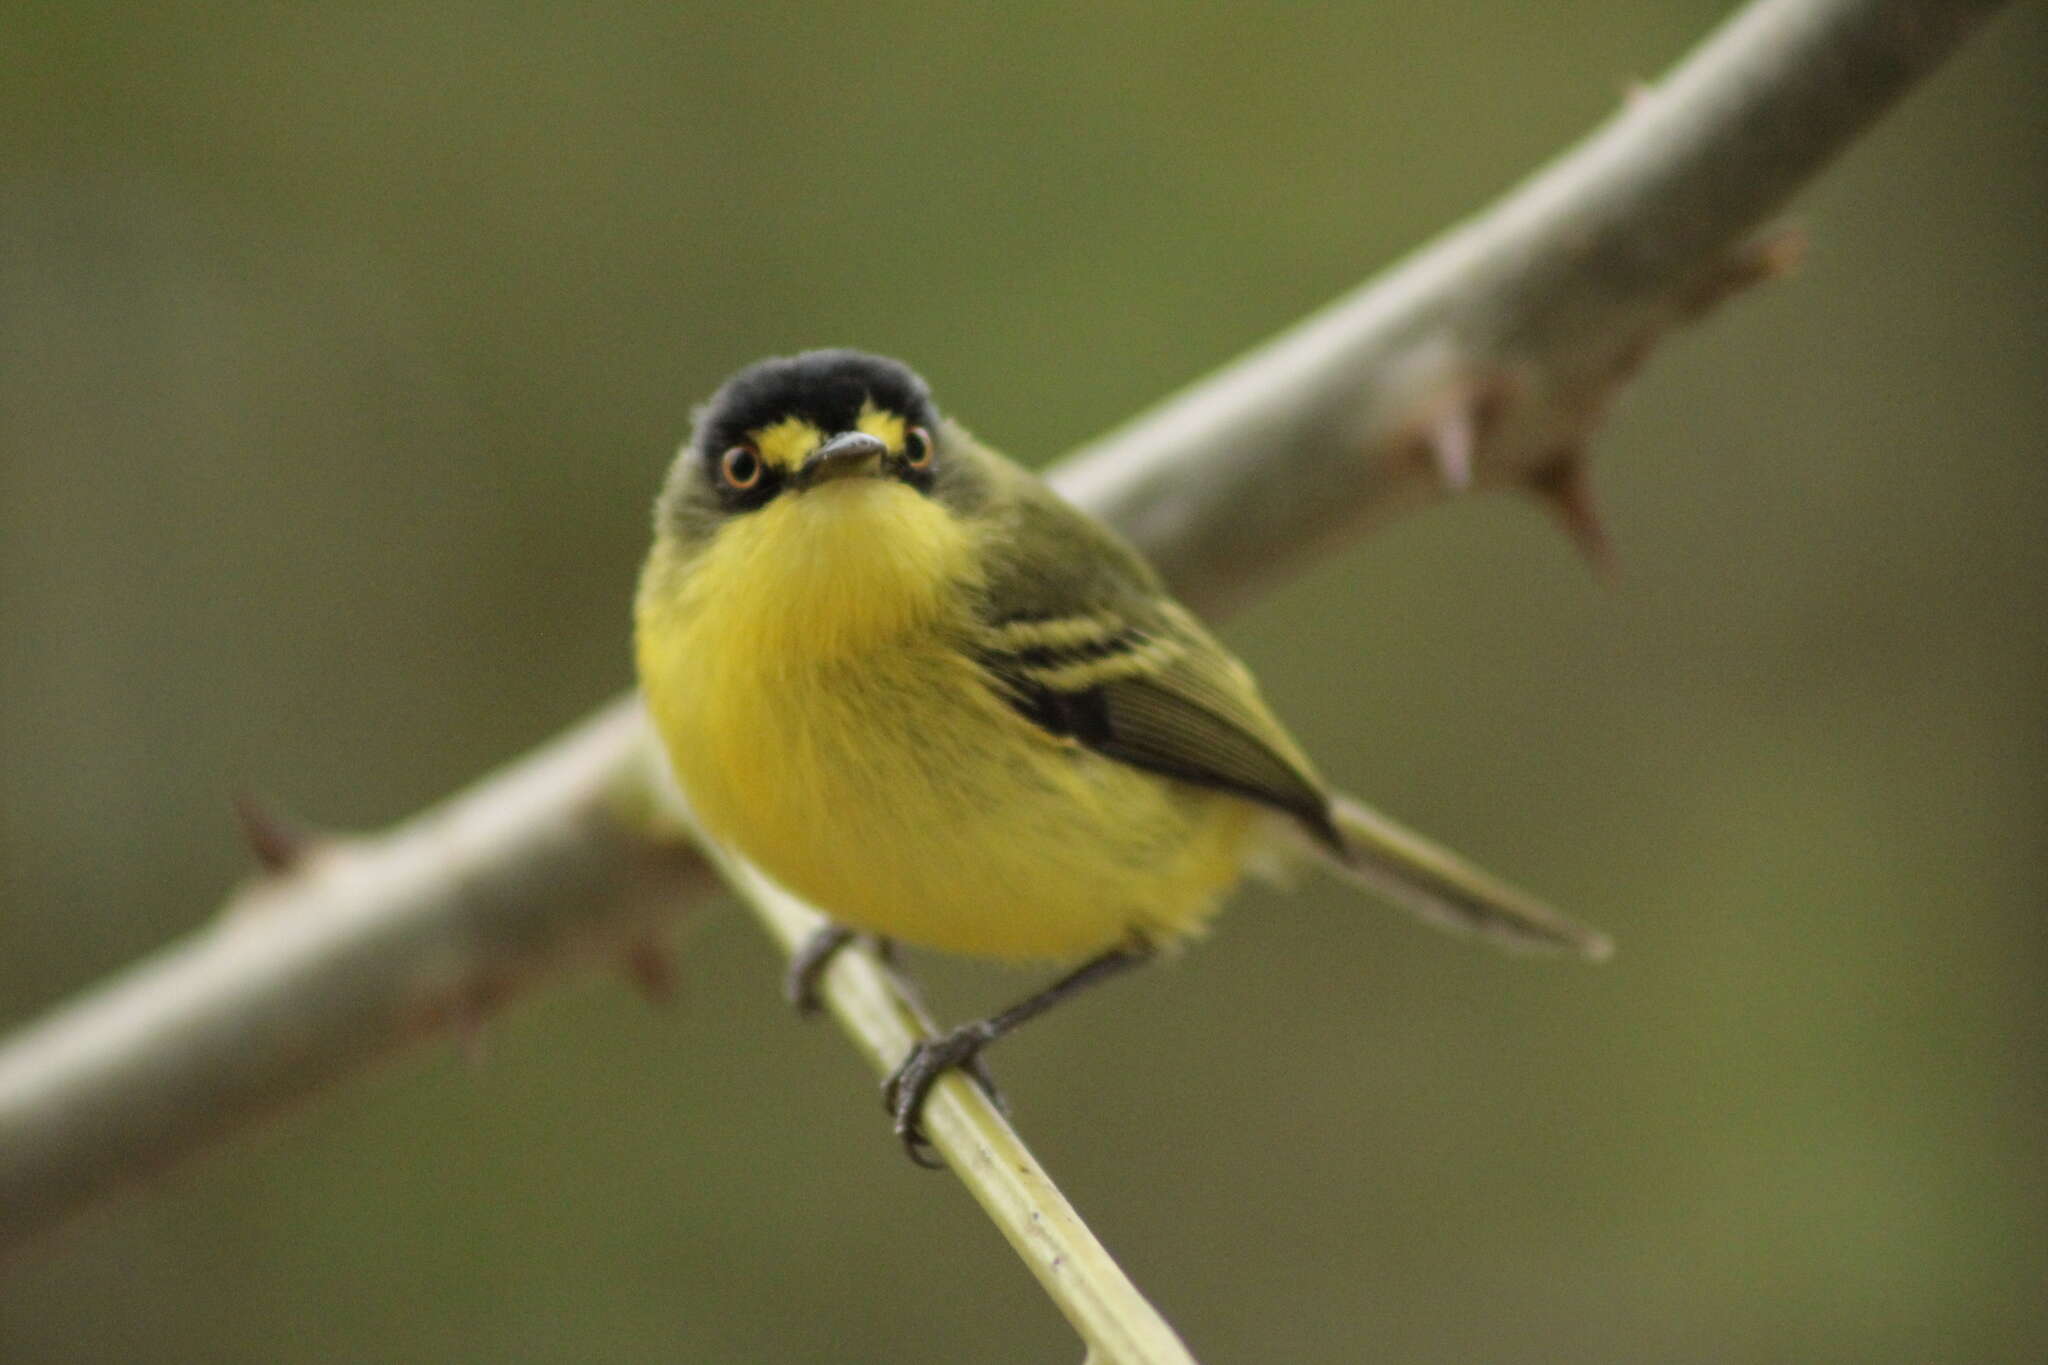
x=848, y=453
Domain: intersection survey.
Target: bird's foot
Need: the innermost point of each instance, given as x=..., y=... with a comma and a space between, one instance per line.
x=905, y=1092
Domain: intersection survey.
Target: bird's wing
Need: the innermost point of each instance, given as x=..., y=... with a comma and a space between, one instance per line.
x=1082, y=639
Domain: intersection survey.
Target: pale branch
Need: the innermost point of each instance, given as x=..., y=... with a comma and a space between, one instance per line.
x=1077, y=1273
x=1488, y=357
x=1485, y=360
x=355, y=948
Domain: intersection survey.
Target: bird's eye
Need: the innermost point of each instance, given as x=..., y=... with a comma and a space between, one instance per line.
x=917, y=448
x=740, y=467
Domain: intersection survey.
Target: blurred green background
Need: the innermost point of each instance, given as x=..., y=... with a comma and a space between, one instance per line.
x=341, y=349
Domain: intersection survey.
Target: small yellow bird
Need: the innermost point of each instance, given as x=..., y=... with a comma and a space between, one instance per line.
x=901, y=676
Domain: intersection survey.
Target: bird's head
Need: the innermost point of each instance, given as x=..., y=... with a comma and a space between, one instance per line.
x=820, y=485
x=790, y=427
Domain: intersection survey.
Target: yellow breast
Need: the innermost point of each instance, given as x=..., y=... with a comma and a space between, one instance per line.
x=811, y=676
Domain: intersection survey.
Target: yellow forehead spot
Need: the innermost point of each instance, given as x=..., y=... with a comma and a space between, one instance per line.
x=883, y=425
x=787, y=443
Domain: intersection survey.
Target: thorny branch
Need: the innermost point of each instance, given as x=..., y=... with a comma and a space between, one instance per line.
x=1484, y=361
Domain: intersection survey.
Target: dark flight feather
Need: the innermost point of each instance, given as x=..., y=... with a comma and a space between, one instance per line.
x=1090, y=649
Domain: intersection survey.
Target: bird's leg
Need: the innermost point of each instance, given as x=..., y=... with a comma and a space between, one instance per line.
x=913, y=997
x=906, y=1090
x=807, y=969
x=800, y=981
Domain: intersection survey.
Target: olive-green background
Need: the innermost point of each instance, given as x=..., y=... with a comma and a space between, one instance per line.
x=341, y=349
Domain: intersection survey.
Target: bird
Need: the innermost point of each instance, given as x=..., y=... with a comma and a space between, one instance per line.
x=901, y=676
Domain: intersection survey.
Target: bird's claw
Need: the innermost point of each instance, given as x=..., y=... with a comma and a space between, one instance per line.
x=905, y=1092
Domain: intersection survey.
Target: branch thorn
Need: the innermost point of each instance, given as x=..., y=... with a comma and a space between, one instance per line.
x=469, y=1015
x=280, y=844
x=1564, y=489
x=472, y=1039
x=1449, y=429
x=1771, y=256
x=1451, y=439
x=651, y=969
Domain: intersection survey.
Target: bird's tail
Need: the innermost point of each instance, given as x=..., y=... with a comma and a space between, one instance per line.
x=1445, y=890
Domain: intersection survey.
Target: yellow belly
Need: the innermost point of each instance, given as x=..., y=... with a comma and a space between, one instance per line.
x=884, y=781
